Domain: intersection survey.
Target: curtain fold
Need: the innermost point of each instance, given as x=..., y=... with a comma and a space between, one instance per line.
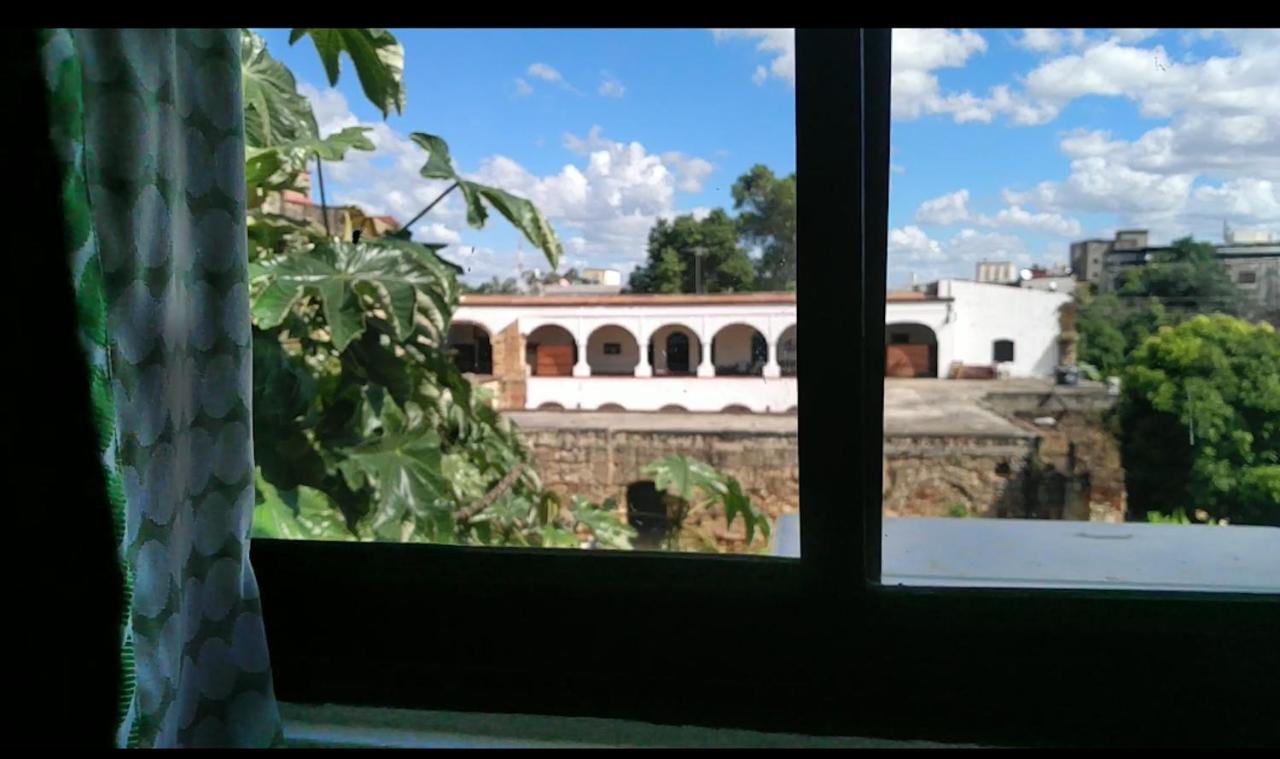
x=148, y=124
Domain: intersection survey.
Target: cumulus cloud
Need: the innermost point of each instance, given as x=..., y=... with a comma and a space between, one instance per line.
x=947, y=209
x=608, y=201
x=778, y=44
x=911, y=243
x=690, y=170
x=1017, y=216
x=1050, y=40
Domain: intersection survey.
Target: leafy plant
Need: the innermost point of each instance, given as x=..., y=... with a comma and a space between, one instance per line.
x=363, y=427
x=957, y=510
x=1200, y=418
x=696, y=489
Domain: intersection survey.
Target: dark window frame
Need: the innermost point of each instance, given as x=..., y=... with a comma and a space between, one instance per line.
x=996, y=353
x=814, y=645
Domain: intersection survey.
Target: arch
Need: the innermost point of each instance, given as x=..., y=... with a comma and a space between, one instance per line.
x=550, y=406
x=551, y=351
x=610, y=407
x=612, y=351
x=787, y=352
x=739, y=350
x=468, y=343
x=1001, y=351
x=662, y=351
x=911, y=350
x=673, y=408
x=735, y=408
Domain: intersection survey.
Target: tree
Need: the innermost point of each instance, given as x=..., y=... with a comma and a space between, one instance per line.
x=1186, y=278
x=363, y=427
x=673, y=245
x=767, y=219
x=1180, y=283
x=1200, y=421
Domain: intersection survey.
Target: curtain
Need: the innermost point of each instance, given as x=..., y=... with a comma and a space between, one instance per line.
x=148, y=128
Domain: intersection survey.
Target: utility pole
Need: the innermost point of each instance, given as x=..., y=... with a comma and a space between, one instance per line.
x=697, y=268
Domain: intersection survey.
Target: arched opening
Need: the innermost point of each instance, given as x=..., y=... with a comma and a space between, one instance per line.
x=550, y=406
x=611, y=407
x=674, y=351
x=787, y=351
x=1001, y=350
x=672, y=408
x=612, y=351
x=736, y=408
x=468, y=344
x=551, y=351
x=911, y=350
x=739, y=350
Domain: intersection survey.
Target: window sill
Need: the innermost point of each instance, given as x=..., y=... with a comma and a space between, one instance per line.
x=332, y=726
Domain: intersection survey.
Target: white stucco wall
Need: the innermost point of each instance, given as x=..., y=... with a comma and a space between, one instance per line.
x=760, y=394
x=984, y=313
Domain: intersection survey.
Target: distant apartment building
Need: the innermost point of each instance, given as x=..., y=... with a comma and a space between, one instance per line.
x=997, y=272
x=1250, y=257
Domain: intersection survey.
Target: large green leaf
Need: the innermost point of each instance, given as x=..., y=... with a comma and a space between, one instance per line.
x=522, y=214
x=736, y=502
x=274, y=111
x=684, y=476
x=348, y=278
x=404, y=466
x=378, y=58
x=302, y=514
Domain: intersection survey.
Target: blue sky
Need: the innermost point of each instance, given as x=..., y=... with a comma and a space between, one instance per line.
x=1007, y=144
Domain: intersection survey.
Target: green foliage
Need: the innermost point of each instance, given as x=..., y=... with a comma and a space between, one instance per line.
x=363, y=428
x=671, y=266
x=1200, y=420
x=694, y=487
x=767, y=219
x=522, y=214
x=958, y=510
x=378, y=58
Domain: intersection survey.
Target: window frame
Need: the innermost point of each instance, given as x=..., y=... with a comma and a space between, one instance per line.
x=825, y=648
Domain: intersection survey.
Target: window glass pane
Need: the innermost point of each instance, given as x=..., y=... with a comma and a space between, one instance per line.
x=595, y=342
x=1083, y=289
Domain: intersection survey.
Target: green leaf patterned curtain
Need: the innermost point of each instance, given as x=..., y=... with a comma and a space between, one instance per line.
x=148, y=126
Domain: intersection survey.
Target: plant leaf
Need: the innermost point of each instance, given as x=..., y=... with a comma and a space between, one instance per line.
x=274, y=111
x=404, y=465
x=378, y=58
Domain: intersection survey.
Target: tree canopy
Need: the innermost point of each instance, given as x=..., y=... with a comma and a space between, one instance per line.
x=766, y=206
x=1200, y=421
x=673, y=245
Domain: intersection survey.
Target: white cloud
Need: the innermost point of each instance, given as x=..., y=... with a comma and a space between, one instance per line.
x=1017, y=216
x=780, y=44
x=910, y=243
x=690, y=171
x=947, y=209
x=611, y=87
x=548, y=73
x=545, y=72
x=606, y=204
x=1050, y=40
x=1133, y=35
x=523, y=88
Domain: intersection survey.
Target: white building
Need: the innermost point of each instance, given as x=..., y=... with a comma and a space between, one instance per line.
x=735, y=352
